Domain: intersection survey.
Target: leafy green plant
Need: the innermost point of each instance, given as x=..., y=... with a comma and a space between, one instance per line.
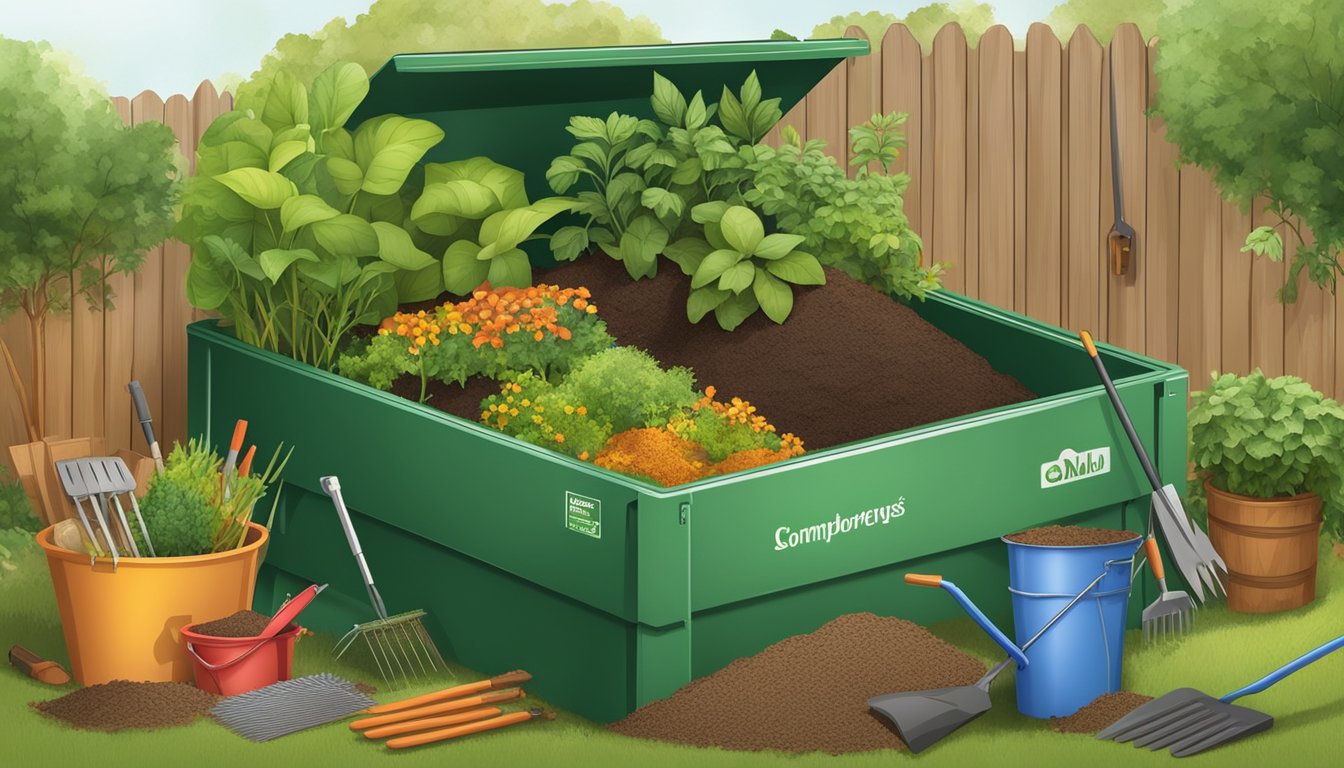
x=856, y=225
x=647, y=175
x=82, y=196
x=533, y=409
x=1250, y=92
x=296, y=224
x=625, y=386
x=1263, y=437
x=483, y=207
x=736, y=256
x=15, y=511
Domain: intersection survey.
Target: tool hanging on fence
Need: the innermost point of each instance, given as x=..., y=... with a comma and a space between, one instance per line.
x=1120, y=240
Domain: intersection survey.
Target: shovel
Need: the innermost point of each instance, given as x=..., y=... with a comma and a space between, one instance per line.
x=1189, y=721
x=923, y=718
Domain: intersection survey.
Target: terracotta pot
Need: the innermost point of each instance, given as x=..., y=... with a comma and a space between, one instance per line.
x=1270, y=547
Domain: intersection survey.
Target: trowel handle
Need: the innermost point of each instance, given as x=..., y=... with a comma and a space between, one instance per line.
x=331, y=485
x=921, y=580
x=1286, y=669
x=1120, y=410
x=146, y=423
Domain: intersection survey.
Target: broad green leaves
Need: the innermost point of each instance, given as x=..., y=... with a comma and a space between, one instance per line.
x=495, y=254
x=300, y=211
x=275, y=261
x=335, y=95
x=258, y=188
x=387, y=147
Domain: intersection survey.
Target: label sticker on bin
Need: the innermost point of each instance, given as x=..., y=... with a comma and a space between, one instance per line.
x=583, y=514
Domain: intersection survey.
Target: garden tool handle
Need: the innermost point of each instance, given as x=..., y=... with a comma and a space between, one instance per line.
x=331, y=485
x=456, y=705
x=146, y=423
x=429, y=723
x=1286, y=670
x=1120, y=411
x=499, y=681
x=976, y=615
x=1155, y=560
x=290, y=611
x=429, y=737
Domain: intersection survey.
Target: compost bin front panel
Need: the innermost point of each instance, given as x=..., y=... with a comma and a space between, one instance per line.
x=461, y=486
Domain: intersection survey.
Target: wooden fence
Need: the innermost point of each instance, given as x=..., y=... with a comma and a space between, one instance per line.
x=1008, y=151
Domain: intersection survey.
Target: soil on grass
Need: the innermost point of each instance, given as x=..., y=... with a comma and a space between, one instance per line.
x=240, y=624
x=808, y=692
x=1104, y=711
x=122, y=704
x=1071, y=536
x=849, y=363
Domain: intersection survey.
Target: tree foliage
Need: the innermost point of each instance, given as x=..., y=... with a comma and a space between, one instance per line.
x=83, y=196
x=430, y=26
x=1254, y=93
x=923, y=22
x=1103, y=16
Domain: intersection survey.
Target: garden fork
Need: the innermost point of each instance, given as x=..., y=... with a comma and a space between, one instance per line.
x=1173, y=611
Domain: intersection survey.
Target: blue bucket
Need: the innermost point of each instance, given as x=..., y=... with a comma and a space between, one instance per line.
x=1079, y=658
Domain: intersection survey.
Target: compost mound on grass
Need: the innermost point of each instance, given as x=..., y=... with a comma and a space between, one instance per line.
x=122, y=704
x=849, y=363
x=240, y=624
x=1104, y=711
x=1071, y=536
x=809, y=692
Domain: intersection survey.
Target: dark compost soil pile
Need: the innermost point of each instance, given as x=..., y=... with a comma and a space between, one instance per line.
x=240, y=624
x=1071, y=536
x=121, y=704
x=848, y=364
x=1102, y=712
x=808, y=692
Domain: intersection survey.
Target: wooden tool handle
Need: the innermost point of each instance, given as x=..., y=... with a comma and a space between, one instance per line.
x=427, y=723
x=429, y=737
x=499, y=681
x=1154, y=558
x=36, y=667
x=923, y=580
x=1087, y=343
x=239, y=431
x=492, y=697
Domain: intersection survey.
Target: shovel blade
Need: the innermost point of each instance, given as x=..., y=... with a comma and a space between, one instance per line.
x=923, y=718
x=1188, y=722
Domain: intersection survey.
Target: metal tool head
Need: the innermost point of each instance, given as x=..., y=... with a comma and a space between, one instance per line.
x=1188, y=722
x=1190, y=548
x=400, y=646
x=922, y=718
x=1169, y=615
x=72, y=479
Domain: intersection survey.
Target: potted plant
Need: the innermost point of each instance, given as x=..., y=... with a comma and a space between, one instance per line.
x=121, y=618
x=1271, y=454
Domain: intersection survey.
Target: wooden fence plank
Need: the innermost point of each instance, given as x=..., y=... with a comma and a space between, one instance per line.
x=1266, y=311
x=1084, y=300
x=1200, y=316
x=177, y=311
x=1043, y=195
x=946, y=240
x=863, y=97
x=13, y=428
x=1159, y=245
x=1309, y=328
x=995, y=137
x=826, y=112
x=147, y=350
x=1236, y=295
x=972, y=248
x=902, y=85
x=119, y=341
x=1126, y=295
x=59, y=376
x=930, y=138
x=1020, y=181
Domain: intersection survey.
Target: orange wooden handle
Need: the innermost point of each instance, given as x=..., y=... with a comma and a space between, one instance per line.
x=1087, y=342
x=1154, y=558
x=923, y=580
x=437, y=709
x=500, y=681
x=239, y=430
x=426, y=723
x=247, y=461
x=429, y=737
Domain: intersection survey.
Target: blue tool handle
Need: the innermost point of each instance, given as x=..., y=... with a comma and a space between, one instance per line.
x=1285, y=670
x=985, y=624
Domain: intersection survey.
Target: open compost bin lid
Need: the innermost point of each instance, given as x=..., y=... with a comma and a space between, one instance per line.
x=513, y=106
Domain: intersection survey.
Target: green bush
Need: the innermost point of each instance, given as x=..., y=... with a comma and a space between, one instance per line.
x=15, y=511
x=531, y=409
x=1267, y=438
x=177, y=508
x=626, y=387
x=856, y=225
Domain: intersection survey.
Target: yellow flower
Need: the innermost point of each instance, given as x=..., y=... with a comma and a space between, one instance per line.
x=569, y=409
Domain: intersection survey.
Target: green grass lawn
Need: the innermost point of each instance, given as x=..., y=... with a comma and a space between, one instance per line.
x=1225, y=652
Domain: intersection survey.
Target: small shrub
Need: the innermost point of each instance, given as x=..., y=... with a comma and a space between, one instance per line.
x=15, y=511
x=626, y=387
x=177, y=508
x=531, y=409
x=727, y=428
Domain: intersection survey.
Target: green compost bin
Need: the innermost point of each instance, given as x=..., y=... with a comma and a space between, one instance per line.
x=613, y=592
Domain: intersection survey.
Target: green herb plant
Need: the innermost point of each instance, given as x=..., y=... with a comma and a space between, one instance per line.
x=645, y=176
x=856, y=225
x=536, y=411
x=1270, y=437
x=296, y=224
x=15, y=511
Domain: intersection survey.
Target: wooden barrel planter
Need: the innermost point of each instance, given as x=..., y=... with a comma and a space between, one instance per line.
x=1270, y=546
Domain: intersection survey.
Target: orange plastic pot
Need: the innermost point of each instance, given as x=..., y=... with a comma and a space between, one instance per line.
x=126, y=624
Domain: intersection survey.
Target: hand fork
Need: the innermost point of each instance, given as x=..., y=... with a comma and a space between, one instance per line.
x=1171, y=613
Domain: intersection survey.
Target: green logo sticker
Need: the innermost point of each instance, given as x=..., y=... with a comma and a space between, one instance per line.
x=583, y=514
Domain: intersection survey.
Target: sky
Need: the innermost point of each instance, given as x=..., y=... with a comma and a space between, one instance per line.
x=170, y=46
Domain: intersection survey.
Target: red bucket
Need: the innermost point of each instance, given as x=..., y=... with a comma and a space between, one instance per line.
x=229, y=666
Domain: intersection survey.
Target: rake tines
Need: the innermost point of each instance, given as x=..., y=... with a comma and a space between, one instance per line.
x=400, y=647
